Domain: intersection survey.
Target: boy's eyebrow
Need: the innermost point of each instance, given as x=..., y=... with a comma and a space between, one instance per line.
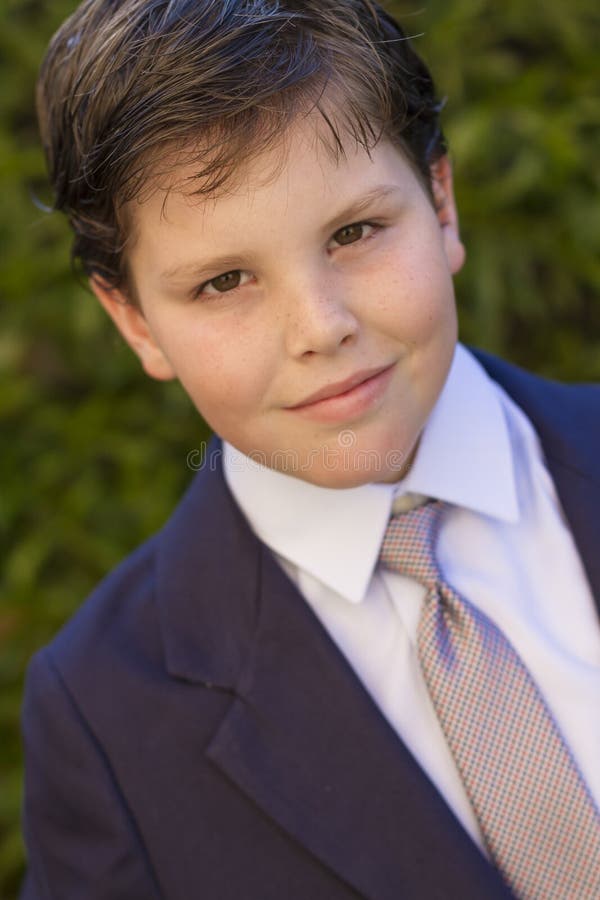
x=217, y=264
x=360, y=204
x=229, y=262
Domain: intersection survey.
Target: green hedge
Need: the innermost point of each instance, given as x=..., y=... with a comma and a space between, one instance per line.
x=94, y=455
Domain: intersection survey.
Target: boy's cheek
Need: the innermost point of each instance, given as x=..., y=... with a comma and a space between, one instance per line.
x=418, y=317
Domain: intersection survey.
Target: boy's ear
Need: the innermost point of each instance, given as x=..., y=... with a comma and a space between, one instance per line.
x=132, y=324
x=443, y=193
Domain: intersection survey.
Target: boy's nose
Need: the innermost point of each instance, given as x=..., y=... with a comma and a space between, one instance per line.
x=318, y=319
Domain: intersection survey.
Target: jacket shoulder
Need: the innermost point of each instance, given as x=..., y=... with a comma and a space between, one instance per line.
x=116, y=624
x=565, y=416
x=515, y=378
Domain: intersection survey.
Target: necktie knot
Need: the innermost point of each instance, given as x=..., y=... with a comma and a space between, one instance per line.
x=409, y=543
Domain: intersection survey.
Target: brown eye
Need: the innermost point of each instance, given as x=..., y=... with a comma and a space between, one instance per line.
x=349, y=234
x=226, y=282
x=223, y=284
x=352, y=234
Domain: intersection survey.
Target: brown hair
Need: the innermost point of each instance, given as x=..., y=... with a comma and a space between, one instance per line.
x=126, y=81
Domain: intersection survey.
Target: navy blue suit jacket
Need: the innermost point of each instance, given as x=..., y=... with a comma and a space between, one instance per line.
x=194, y=732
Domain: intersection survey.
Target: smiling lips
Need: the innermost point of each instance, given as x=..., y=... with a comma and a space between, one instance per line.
x=347, y=399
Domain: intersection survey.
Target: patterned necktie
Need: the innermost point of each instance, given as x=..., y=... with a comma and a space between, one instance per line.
x=539, y=822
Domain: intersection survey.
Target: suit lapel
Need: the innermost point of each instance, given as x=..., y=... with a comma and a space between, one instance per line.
x=567, y=421
x=302, y=739
x=308, y=745
x=581, y=502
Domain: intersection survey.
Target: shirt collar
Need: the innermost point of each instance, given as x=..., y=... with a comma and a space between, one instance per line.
x=464, y=457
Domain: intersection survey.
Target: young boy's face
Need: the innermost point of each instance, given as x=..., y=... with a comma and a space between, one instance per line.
x=309, y=277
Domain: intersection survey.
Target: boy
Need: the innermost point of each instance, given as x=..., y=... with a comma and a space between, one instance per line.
x=250, y=706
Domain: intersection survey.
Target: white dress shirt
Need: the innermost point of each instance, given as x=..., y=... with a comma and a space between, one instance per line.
x=504, y=544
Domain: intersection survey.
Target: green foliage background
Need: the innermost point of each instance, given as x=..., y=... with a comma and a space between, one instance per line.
x=94, y=454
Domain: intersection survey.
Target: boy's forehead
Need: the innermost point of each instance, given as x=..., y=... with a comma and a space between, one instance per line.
x=279, y=197
x=188, y=170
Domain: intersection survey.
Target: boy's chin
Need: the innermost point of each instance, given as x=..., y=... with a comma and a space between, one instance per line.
x=345, y=477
